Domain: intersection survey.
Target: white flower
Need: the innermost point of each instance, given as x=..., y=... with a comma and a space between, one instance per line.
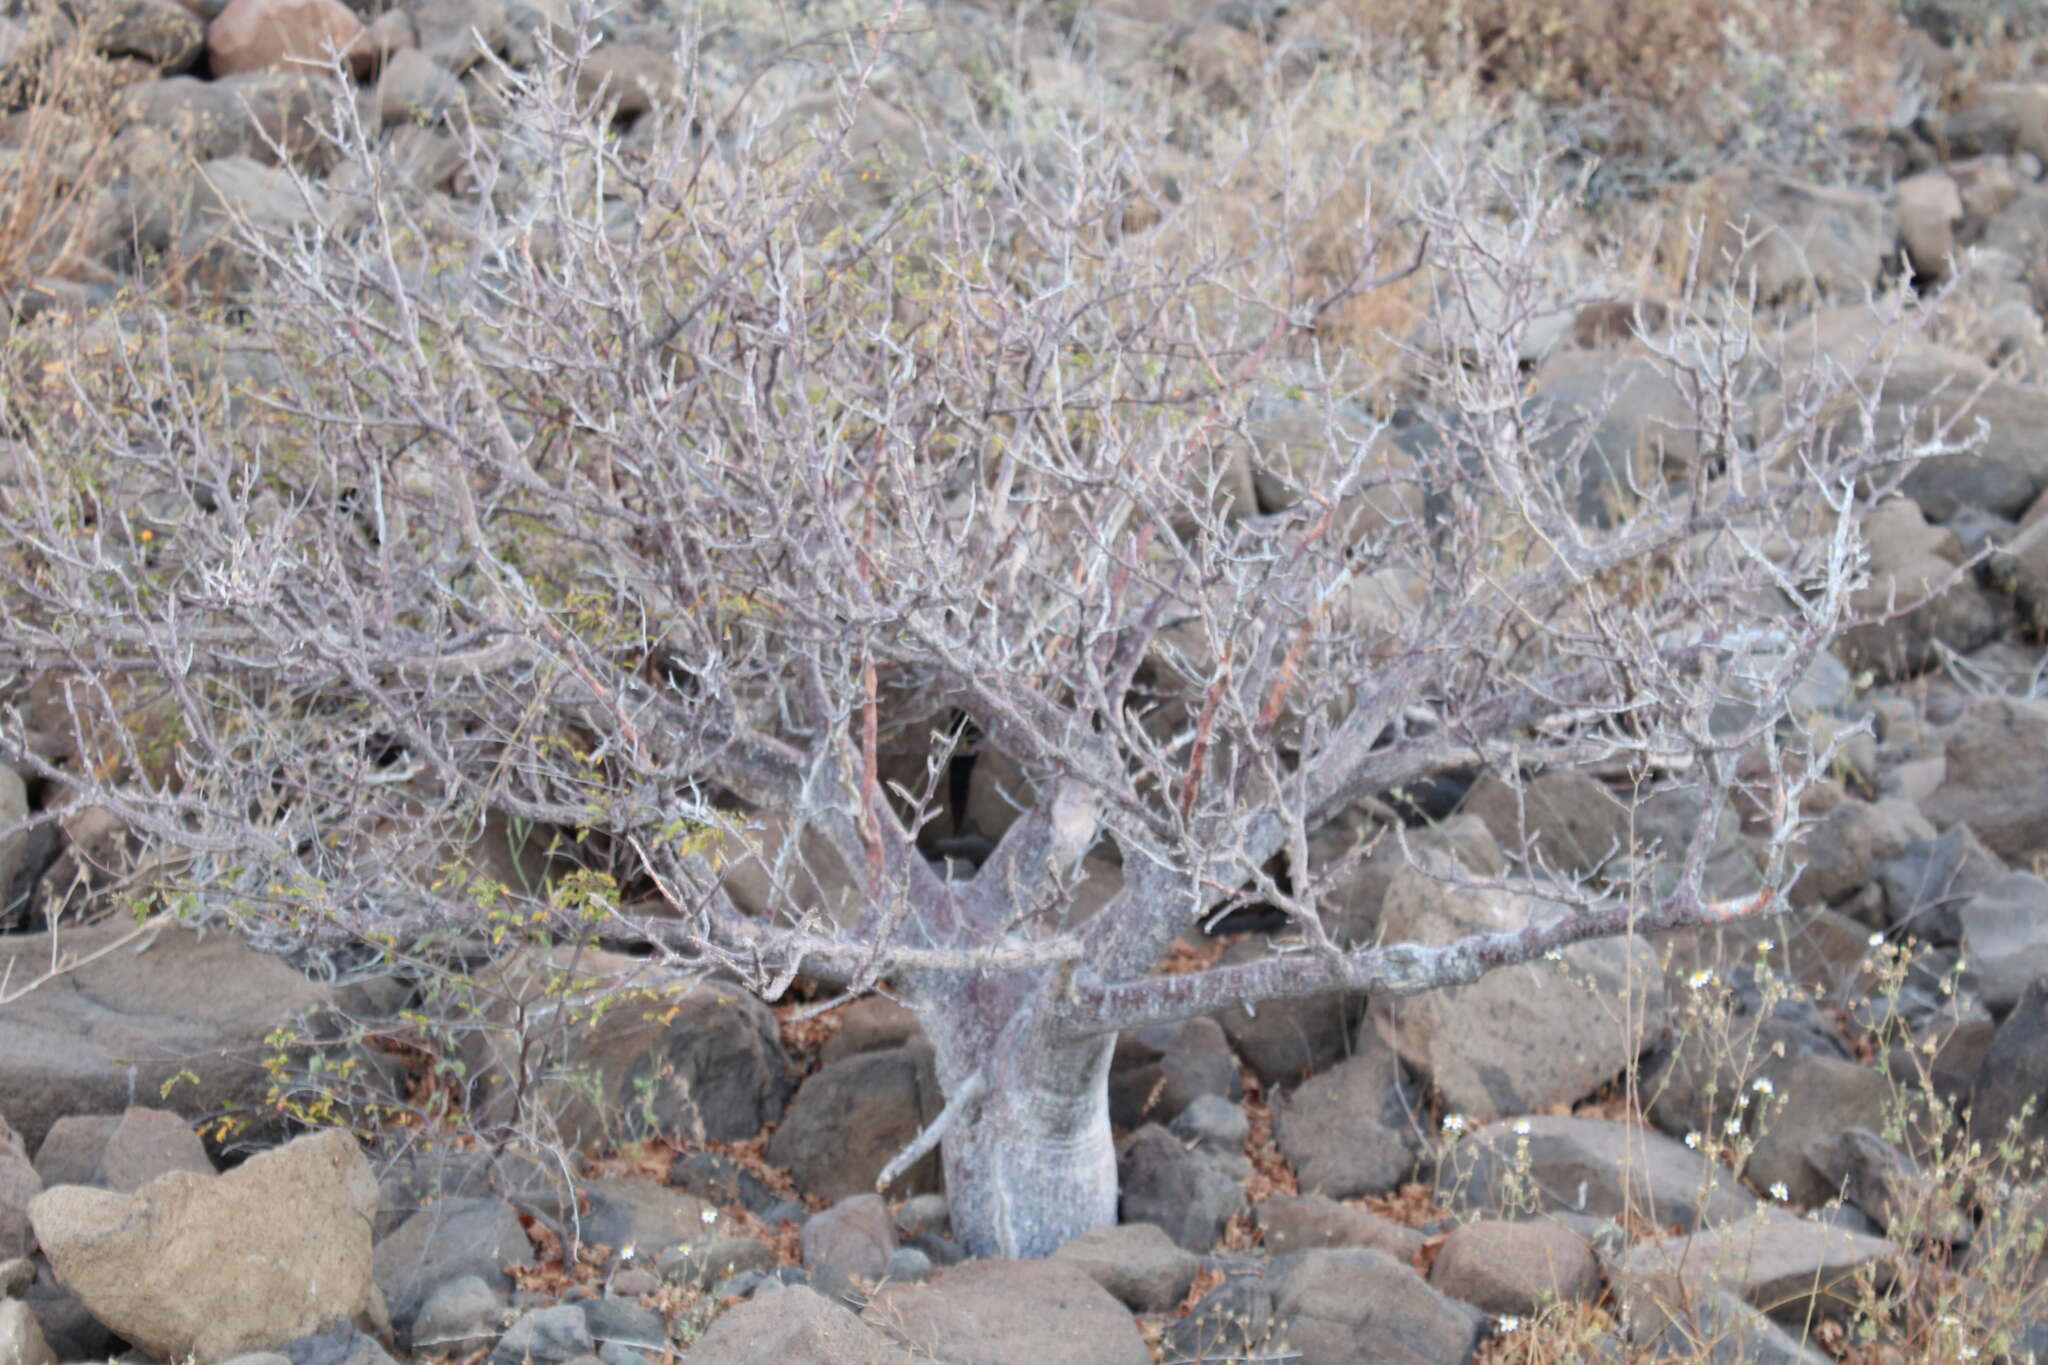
x=1762, y=1085
x=709, y=1215
x=1454, y=1123
x=1733, y=1125
x=1692, y=1140
x=1699, y=980
x=627, y=1253
x=1764, y=945
x=1876, y=940
x=1509, y=1323
x=1553, y=955
x=1780, y=1192
x=1521, y=1127
x=1967, y=1352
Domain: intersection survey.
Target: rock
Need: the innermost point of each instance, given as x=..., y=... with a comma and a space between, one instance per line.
x=794, y=1326
x=2006, y=1103
x=19, y=1185
x=718, y=1179
x=1337, y=1307
x=423, y=1177
x=765, y=875
x=703, y=1264
x=1011, y=1313
x=907, y=1265
x=630, y=78
x=190, y=1008
x=460, y=1316
x=1351, y=1130
x=1842, y=850
x=1163, y=1183
x=1721, y=1329
x=1591, y=1166
x=1233, y=1321
x=412, y=89
x=445, y=1241
x=1213, y=1125
x=1930, y=880
x=1930, y=209
x=1572, y=821
x=13, y=841
x=266, y=35
x=214, y=1265
x=1909, y=561
x=643, y=1214
x=851, y=1118
x=1996, y=751
x=1624, y=423
x=1789, y=1267
x=1515, y=1268
x=1901, y=1200
x=2005, y=937
x=457, y=33
x=1526, y=1038
x=1810, y=1098
x=925, y=1215
x=1283, y=1041
x=1790, y=237
x=873, y=1023
x=2002, y=473
x=848, y=1243
x=545, y=1336
x=120, y=1152
x=619, y=1325
x=16, y=1274
x=1136, y=1262
x=643, y=1055
x=21, y=1337
x=1158, y=1070
x=1304, y=1222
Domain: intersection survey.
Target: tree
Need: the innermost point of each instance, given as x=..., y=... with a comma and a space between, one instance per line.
x=678, y=500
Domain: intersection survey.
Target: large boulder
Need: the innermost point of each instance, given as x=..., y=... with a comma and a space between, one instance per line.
x=614, y=1050
x=1524, y=1039
x=213, y=1266
x=185, y=1018
x=1789, y=1267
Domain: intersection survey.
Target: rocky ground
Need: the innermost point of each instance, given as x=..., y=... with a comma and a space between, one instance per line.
x=1805, y=1137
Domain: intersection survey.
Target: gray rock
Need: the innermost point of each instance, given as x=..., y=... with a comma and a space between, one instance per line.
x=2006, y=1103
x=1158, y=1070
x=1720, y=1329
x=614, y=1322
x=853, y=1239
x=645, y=1215
x=1515, y=1268
x=1792, y=1268
x=130, y=1022
x=720, y=1180
x=216, y=1265
x=907, y=1265
x=1573, y=822
x=545, y=1336
x=1591, y=1166
x=873, y=1023
x=460, y=1316
x=1348, y=1131
x=1811, y=1098
x=1526, y=1039
x=13, y=840
x=144, y=1144
x=457, y=1236
x=1887, y=1185
x=1348, y=1304
x=19, y=1185
x=342, y=1345
x=702, y=1264
x=1213, y=1125
x=1911, y=560
x=1284, y=1041
x=925, y=1215
x=21, y=1337
x=851, y=1118
x=1011, y=1313
x=1233, y=1321
x=2005, y=937
x=1996, y=752
x=1306, y=1222
x=1136, y=1262
x=1163, y=1183
x=793, y=1327
x=1927, y=884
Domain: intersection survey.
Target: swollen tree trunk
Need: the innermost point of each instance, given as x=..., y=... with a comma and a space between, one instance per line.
x=1031, y=1164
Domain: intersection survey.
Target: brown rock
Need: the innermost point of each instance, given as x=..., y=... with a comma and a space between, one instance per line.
x=1136, y=1262
x=1011, y=1313
x=214, y=1266
x=1789, y=1267
x=265, y=35
x=1301, y=1222
x=796, y=1326
x=1515, y=1267
x=1930, y=209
